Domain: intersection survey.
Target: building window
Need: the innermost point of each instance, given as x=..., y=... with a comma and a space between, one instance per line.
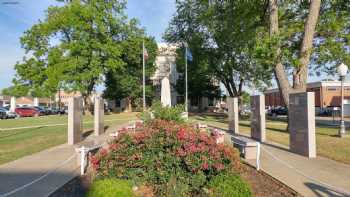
x=180, y=100
x=332, y=89
x=194, y=102
x=210, y=101
x=117, y=103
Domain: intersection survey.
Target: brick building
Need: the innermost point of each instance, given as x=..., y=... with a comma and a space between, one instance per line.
x=327, y=94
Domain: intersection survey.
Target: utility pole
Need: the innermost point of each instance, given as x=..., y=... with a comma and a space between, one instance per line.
x=143, y=76
x=186, y=87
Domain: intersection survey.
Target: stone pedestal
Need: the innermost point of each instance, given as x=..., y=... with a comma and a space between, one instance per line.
x=257, y=104
x=165, y=92
x=98, y=116
x=75, y=126
x=36, y=102
x=232, y=105
x=302, y=124
x=13, y=104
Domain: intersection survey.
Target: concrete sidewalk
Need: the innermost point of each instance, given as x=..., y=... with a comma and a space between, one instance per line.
x=309, y=177
x=42, y=173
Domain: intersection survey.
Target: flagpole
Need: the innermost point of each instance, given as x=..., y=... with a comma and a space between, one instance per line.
x=186, y=88
x=143, y=76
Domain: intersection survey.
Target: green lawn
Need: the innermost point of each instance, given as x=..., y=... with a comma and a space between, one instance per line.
x=21, y=142
x=328, y=144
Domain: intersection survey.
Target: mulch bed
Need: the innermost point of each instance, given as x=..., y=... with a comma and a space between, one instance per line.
x=261, y=184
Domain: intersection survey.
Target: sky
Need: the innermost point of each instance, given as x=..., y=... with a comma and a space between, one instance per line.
x=16, y=16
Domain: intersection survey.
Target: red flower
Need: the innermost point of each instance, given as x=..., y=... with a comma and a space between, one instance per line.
x=219, y=166
x=113, y=146
x=95, y=162
x=205, y=166
x=103, y=152
x=181, y=135
x=180, y=152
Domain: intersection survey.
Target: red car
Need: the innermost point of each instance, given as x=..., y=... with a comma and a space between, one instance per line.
x=26, y=112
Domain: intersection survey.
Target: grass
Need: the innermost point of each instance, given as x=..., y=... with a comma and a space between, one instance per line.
x=328, y=144
x=17, y=143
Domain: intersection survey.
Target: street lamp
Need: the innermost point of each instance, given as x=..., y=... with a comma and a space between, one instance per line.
x=342, y=71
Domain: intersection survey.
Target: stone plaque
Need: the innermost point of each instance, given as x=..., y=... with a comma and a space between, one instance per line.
x=98, y=116
x=302, y=124
x=232, y=105
x=258, y=131
x=75, y=126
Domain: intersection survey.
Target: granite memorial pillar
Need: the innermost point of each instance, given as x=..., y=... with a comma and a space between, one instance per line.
x=258, y=128
x=302, y=124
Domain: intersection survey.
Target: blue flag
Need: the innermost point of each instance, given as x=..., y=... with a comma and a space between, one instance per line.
x=189, y=55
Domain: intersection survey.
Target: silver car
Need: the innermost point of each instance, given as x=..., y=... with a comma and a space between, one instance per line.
x=7, y=113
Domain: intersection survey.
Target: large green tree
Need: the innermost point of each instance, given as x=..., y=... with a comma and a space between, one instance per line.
x=127, y=82
x=224, y=33
x=75, y=46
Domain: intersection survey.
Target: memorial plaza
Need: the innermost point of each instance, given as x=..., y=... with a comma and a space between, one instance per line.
x=188, y=98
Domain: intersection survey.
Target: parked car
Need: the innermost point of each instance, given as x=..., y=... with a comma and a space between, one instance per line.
x=6, y=113
x=27, y=111
x=41, y=110
x=277, y=111
x=57, y=111
x=2, y=114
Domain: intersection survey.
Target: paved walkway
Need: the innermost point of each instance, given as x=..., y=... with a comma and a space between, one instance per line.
x=309, y=177
x=42, y=173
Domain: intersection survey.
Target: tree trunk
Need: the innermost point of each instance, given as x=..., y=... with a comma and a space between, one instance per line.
x=301, y=73
x=279, y=71
x=87, y=104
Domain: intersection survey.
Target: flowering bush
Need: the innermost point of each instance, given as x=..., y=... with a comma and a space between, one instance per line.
x=173, y=158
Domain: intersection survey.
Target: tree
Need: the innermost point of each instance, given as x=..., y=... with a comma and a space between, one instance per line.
x=304, y=35
x=225, y=33
x=201, y=80
x=74, y=47
x=127, y=82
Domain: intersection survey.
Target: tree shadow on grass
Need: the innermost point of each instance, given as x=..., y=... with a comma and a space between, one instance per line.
x=321, y=191
x=90, y=131
x=267, y=128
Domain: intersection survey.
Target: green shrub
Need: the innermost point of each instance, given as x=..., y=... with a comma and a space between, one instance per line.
x=110, y=187
x=168, y=113
x=228, y=185
x=174, y=158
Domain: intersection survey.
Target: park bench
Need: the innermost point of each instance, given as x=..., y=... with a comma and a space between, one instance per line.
x=247, y=147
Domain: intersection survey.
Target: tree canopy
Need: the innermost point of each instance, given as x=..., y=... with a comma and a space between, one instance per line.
x=76, y=45
x=299, y=36
x=224, y=34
